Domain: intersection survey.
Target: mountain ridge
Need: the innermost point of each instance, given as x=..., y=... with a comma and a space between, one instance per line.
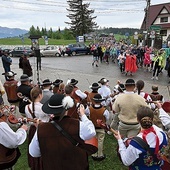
x=6, y=32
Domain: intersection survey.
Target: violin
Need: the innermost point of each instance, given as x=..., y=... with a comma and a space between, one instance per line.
x=106, y=127
x=9, y=112
x=22, y=120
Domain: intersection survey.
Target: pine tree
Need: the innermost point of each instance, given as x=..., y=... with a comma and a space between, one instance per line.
x=82, y=21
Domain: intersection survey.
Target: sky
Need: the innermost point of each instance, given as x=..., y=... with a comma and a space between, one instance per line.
x=53, y=14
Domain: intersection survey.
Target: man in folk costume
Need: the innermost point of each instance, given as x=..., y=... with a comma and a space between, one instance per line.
x=9, y=142
x=11, y=87
x=24, y=92
x=90, y=95
x=72, y=112
x=127, y=105
x=47, y=93
x=77, y=93
x=56, y=84
x=60, y=142
x=105, y=92
x=97, y=111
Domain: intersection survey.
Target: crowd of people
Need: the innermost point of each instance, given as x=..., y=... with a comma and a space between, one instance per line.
x=65, y=118
x=62, y=121
x=132, y=57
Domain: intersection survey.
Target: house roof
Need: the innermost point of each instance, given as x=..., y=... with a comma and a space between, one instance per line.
x=154, y=11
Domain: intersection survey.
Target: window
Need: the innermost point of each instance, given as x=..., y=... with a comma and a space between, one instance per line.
x=163, y=32
x=164, y=19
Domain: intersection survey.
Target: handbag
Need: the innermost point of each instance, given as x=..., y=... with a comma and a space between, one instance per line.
x=8, y=156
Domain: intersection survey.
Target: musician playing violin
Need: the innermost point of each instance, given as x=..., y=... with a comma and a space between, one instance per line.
x=49, y=142
x=10, y=139
x=137, y=157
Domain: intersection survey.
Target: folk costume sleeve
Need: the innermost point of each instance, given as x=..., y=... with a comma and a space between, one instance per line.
x=87, y=130
x=9, y=138
x=165, y=118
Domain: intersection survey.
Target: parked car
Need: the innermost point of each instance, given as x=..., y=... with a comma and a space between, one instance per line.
x=19, y=51
x=73, y=49
x=50, y=51
x=2, y=50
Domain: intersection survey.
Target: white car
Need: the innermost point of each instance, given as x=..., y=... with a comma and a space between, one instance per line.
x=50, y=51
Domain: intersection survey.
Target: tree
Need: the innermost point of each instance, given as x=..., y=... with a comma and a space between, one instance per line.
x=32, y=30
x=82, y=21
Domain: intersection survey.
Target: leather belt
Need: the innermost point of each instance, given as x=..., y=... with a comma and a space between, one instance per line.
x=130, y=123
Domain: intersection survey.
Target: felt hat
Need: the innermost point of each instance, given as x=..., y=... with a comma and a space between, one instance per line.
x=129, y=82
x=95, y=86
x=98, y=98
x=103, y=81
x=121, y=87
x=24, y=77
x=11, y=74
x=73, y=82
x=57, y=82
x=46, y=82
x=57, y=104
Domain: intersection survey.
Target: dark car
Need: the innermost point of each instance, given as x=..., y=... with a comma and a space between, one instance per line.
x=19, y=51
x=73, y=49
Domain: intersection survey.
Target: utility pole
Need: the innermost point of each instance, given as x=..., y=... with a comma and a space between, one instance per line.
x=148, y=3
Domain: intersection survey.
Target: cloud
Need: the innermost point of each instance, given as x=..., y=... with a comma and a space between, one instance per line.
x=52, y=13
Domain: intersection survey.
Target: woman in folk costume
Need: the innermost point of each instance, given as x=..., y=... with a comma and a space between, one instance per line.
x=147, y=60
x=33, y=111
x=130, y=63
x=140, y=84
x=135, y=155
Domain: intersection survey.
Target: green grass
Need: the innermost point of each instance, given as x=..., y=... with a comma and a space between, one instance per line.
x=111, y=162
x=27, y=41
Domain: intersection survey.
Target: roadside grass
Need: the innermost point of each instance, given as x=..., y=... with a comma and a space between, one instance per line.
x=111, y=162
x=27, y=41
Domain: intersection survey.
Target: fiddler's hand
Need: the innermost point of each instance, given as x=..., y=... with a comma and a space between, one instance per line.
x=37, y=121
x=25, y=127
x=81, y=110
x=117, y=136
x=158, y=104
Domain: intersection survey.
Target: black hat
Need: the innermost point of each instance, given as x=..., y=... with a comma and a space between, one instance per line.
x=73, y=81
x=57, y=104
x=129, y=82
x=98, y=98
x=103, y=81
x=57, y=82
x=94, y=86
x=121, y=87
x=11, y=74
x=24, y=77
x=46, y=82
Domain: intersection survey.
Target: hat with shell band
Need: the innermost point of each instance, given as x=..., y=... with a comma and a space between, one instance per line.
x=57, y=104
x=103, y=81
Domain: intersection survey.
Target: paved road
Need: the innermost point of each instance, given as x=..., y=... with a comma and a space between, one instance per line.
x=80, y=68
